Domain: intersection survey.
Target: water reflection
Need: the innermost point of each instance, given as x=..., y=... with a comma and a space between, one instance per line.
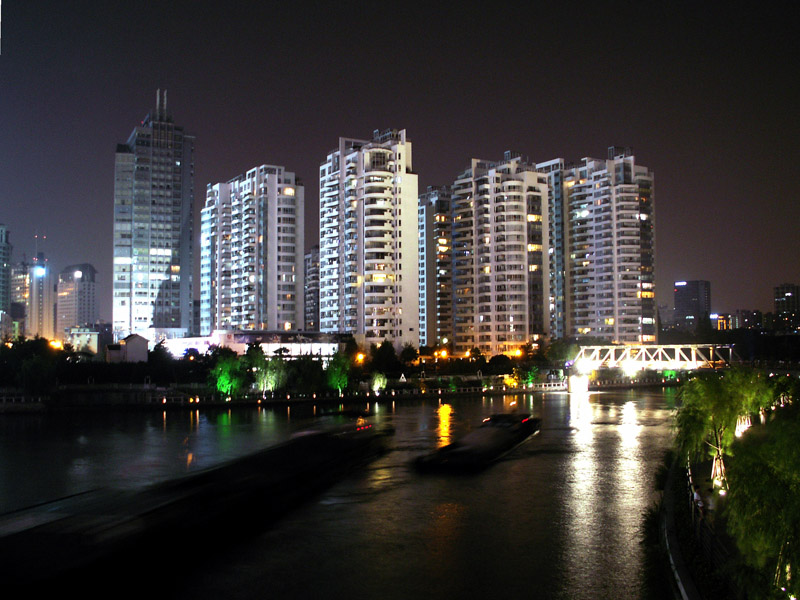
x=445, y=430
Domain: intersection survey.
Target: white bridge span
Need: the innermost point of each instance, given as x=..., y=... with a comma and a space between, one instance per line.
x=634, y=358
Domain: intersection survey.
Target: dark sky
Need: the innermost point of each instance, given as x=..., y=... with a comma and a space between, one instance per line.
x=706, y=96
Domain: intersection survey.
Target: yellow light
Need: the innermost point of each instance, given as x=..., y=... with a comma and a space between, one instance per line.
x=360, y=357
x=56, y=344
x=444, y=353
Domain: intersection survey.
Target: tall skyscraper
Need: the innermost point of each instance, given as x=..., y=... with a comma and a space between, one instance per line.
x=500, y=264
x=40, y=300
x=153, y=197
x=609, y=249
x=5, y=270
x=311, y=279
x=76, y=298
x=436, y=266
x=692, y=303
x=251, y=246
x=369, y=278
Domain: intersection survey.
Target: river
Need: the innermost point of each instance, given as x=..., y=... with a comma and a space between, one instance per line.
x=559, y=517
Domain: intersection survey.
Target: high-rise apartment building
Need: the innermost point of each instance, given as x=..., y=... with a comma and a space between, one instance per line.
x=500, y=264
x=153, y=197
x=692, y=303
x=369, y=279
x=311, y=278
x=251, y=247
x=609, y=249
x=76, y=299
x=435, y=267
x=5, y=270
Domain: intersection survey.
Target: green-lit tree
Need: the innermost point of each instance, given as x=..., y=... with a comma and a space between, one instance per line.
x=228, y=374
x=711, y=407
x=338, y=371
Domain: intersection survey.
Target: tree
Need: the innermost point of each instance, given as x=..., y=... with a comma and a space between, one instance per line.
x=384, y=357
x=561, y=350
x=227, y=374
x=763, y=505
x=711, y=406
x=378, y=382
x=338, y=371
x=408, y=354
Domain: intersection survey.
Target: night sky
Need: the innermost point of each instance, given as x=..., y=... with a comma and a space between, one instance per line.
x=705, y=95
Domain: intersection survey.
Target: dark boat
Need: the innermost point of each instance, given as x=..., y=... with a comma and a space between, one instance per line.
x=93, y=535
x=497, y=435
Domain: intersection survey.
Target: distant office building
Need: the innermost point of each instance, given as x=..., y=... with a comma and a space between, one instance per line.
x=609, y=249
x=436, y=266
x=500, y=236
x=251, y=253
x=747, y=319
x=76, y=298
x=369, y=279
x=692, y=303
x=41, y=299
x=153, y=198
x=720, y=322
x=5, y=270
x=20, y=293
x=787, y=307
x=311, y=278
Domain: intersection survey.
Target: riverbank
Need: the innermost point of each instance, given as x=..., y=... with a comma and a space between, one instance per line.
x=152, y=397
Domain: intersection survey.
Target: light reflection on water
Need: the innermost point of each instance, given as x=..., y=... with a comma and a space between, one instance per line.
x=558, y=518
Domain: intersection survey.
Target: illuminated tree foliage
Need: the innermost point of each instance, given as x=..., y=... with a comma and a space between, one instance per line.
x=763, y=504
x=378, y=382
x=711, y=406
x=338, y=371
x=228, y=374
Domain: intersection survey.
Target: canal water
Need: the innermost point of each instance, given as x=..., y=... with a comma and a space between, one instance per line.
x=559, y=517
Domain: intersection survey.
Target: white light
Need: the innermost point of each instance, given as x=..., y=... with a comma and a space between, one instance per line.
x=78, y=274
x=39, y=271
x=680, y=283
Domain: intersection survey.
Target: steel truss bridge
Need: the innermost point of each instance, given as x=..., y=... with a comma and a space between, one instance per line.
x=682, y=357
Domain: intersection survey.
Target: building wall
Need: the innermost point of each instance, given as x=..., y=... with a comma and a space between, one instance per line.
x=76, y=299
x=369, y=278
x=252, y=262
x=500, y=262
x=5, y=270
x=41, y=300
x=692, y=302
x=611, y=249
x=435, y=266
x=311, y=279
x=153, y=199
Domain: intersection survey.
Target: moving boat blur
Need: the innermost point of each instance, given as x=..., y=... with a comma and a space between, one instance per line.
x=46, y=543
x=497, y=435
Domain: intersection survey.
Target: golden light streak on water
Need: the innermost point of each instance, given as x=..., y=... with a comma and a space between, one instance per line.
x=445, y=431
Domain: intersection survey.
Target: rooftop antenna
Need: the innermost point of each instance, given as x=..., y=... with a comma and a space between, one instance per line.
x=158, y=102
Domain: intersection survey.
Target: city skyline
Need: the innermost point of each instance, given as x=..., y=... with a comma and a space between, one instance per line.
x=702, y=105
